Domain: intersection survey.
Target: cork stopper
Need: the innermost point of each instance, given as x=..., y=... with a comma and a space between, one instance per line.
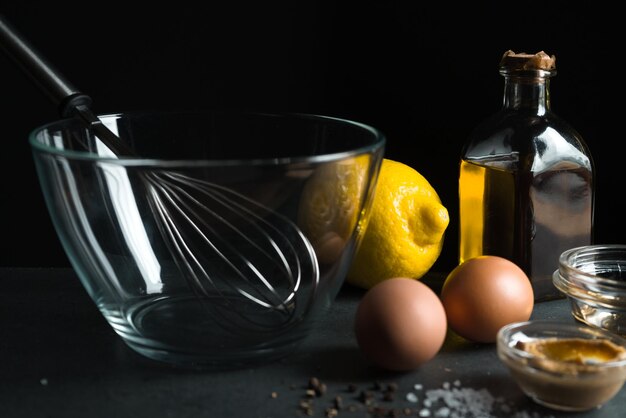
x=527, y=62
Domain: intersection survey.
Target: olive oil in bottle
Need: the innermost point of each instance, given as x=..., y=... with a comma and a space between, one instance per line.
x=526, y=190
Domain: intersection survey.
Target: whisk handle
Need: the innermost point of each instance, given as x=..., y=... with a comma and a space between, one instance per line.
x=56, y=87
x=70, y=101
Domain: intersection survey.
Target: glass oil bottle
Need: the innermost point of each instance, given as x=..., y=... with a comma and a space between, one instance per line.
x=526, y=182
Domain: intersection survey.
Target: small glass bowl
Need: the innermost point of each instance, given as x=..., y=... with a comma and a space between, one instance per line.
x=574, y=376
x=594, y=279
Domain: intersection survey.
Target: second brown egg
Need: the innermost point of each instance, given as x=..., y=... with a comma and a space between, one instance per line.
x=485, y=293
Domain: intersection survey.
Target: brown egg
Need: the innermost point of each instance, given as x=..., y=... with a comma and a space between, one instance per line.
x=400, y=323
x=485, y=293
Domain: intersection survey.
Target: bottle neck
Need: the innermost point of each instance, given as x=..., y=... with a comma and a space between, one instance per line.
x=529, y=93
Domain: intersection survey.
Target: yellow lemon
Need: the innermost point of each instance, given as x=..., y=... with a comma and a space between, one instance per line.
x=404, y=235
x=331, y=205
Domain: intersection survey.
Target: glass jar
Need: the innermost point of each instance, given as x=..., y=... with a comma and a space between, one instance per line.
x=526, y=183
x=594, y=280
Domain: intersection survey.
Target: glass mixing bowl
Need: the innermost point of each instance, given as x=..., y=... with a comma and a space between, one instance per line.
x=225, y=240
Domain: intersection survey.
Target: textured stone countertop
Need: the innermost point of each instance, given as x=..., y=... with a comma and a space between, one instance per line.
x=61, y=359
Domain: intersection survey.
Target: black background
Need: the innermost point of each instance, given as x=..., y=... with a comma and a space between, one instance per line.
x=424, y=74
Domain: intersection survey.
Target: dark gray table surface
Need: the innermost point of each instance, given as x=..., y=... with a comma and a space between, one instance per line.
x=59, y=358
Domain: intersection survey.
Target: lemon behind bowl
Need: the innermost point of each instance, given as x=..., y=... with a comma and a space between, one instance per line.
x=332, y=206
x=405, y=230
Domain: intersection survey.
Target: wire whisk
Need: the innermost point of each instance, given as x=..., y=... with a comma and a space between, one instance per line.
x=228, y=247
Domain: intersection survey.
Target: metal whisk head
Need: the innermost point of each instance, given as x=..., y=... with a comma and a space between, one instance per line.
x=232, y=249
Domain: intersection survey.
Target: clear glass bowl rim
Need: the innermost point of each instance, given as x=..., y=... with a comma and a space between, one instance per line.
x=378, y=143
x=572, y=280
